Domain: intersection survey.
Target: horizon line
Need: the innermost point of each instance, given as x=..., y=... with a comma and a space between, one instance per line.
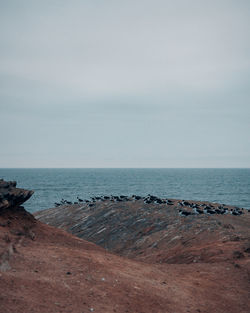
x=124, y=168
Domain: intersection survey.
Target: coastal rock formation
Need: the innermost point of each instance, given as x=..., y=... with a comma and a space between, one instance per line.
x=46, y=270
x=15, y=222
x=154, y=231
x=10, y=196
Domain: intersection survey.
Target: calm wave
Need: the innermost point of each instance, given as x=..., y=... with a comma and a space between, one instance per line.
x=229, y=186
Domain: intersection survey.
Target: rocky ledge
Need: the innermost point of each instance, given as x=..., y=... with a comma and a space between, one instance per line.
x=12, y=197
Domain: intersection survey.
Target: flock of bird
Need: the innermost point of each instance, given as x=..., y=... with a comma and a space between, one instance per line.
x=149, y=199
x=185, y=208
x=203, y=208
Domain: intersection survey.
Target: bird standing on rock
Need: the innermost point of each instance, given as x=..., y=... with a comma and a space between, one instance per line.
x=184, y=213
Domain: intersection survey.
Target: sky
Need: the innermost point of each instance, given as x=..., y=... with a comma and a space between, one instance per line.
x=139, y=83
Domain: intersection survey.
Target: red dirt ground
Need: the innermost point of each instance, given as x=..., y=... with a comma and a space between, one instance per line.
x=44, y=269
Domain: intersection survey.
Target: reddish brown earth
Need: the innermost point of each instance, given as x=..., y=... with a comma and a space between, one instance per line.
x=45, y=269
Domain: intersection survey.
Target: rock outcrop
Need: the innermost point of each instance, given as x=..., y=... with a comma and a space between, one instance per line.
x=156, y=232
x=12, y=197
x=15, y=223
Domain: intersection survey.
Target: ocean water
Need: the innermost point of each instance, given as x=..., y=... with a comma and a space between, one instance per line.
x=229, y=186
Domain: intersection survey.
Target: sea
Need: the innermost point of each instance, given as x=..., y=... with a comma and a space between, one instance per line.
x=228, y=186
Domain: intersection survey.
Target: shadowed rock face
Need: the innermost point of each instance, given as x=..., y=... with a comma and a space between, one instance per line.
x=12, y=197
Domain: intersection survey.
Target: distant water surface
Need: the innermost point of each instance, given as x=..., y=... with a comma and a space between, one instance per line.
x=229, y=186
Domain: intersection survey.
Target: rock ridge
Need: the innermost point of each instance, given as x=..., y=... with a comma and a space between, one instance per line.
x=155, y=231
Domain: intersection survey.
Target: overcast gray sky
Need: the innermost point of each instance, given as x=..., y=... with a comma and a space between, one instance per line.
x=125, y=83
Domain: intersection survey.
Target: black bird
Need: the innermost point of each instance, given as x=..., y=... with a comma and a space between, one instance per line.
x=80, y=200
x=236, y=212
x=153, y=198
x=184, y=213
x=210, y=211
x=158, y=201
x=199, y=211
x=218, y=211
